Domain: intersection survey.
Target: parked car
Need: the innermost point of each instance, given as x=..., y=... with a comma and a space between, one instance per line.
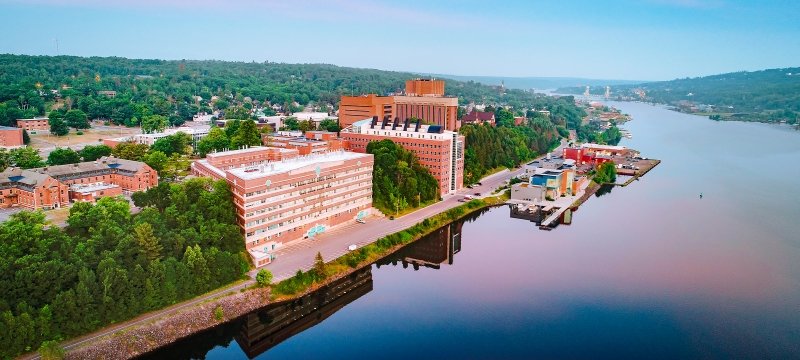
x=352, y=247
x=477, y=194
x=469, y=186
x=479, y=184
x=361, y=221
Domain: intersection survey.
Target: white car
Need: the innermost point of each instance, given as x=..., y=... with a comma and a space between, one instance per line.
x=361, y=221
x=352, y=247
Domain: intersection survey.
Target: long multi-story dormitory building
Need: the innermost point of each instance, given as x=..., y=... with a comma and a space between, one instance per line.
x=438, y=150
x=55, y=186
x=281, y=196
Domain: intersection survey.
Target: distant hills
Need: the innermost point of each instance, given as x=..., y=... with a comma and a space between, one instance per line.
x=771, y=95
x=540, y=83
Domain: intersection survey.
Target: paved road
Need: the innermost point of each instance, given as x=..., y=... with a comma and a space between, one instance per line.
x=334, y=243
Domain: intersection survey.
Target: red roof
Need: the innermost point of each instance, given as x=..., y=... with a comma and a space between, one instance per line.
x=479, y=116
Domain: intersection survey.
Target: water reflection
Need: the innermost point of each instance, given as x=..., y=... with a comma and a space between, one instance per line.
x=431, y=251
x=604, y=190
x=265, y=328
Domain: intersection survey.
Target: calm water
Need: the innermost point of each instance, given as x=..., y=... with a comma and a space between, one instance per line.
x=646, y=271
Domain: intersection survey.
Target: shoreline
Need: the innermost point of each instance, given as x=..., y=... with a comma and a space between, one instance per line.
x=161, y=332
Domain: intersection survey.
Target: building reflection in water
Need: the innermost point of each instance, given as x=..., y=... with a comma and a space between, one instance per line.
x=431, y=251
x=536, y=216
x=268, y=327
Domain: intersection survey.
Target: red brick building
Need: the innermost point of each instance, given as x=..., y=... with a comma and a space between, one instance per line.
x=10, y=136
x=291, y=197
x=479, y=117
x=35, y=124
x=440, y=151
x=54, y=186
x=423, y=99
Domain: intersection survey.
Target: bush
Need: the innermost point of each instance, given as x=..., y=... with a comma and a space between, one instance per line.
x=79, y=133
x=264, y=278
x=50, y=350
x=218, y=314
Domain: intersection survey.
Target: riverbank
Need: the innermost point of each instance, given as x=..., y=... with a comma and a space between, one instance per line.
x=148, y=337
x=142, y=339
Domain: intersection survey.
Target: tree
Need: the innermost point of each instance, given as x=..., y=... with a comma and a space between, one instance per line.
x=26, y=138
x=61, y=156
x=57, y=125
x=291, y=123
x=329, y=125
x=130, y=151
x=77, y=119
x=319, y=266
x=6, y=159
x=178, y=143
x=26, y=158
x=156, y=160
x=154, y=123
x=264, y=278
x=51, y=350
x=215, y=140
x=149, y=246
x=397, y=175
x=94, y=152
x=237, y=112
x=606, y=173
x=246, y=135
x=306, y=125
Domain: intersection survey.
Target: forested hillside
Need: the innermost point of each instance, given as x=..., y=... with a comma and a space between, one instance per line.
x=177, y=89
x=769, y=95
x=108, y=265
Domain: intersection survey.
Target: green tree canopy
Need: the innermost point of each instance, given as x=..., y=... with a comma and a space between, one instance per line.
x=178, y=143
x=26, y=158
x=246, y=135
x=58, y=126
x=61, y=156
x=94, y=152
x=154, y=123
x=130, y=151
x=77, y=119
x=216, y=140
x=399, y=181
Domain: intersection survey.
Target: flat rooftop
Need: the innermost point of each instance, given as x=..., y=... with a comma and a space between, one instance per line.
x=284, y=166
x=87, y=188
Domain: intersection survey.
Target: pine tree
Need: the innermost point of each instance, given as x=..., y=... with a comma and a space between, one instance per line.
x=319, y=266
x=149, y=245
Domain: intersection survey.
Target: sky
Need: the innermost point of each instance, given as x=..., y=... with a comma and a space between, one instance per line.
x=609, y=39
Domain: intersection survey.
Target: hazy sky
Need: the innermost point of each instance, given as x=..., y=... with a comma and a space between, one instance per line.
x=611, y=39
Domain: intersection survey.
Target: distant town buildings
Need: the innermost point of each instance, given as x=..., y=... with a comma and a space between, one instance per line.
x=439, y=150
x=10, y=137
x=479, y=117
x=108, y=93
x=35, y=124
x=423, y=99
x=282, y=196
x=196, y=132
x=55, y=186
x=594, y=154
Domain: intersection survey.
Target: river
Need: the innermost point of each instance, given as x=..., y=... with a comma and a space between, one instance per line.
x=647, y=271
